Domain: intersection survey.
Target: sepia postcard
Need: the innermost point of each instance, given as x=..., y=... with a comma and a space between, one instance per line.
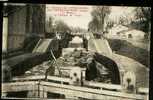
x=75, y=52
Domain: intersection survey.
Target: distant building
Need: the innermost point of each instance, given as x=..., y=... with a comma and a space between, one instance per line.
x=76, y=42
x=134, y=34
x=116, y=29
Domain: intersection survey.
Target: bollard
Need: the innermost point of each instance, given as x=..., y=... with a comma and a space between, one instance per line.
x=75, y=76
x=129, y=82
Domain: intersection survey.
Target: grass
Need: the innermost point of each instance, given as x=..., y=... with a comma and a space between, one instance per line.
x=125, y=48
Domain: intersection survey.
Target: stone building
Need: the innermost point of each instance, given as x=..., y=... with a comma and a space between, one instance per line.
x=19, y=21
x=124, y=32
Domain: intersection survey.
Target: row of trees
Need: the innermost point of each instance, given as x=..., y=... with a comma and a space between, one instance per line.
x=56, y=26
x=78, y=29
x=53, y=25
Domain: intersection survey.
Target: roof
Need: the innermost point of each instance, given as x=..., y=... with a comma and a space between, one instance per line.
x=118, y=28
x=126, y=30
x=135, y=32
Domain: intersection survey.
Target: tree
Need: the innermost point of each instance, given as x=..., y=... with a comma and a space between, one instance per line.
x=60, y=26
x=122, y=20
x=99, y=15
x=77, y=29
x=143, y=15
x=109, y=24
x=94, y=25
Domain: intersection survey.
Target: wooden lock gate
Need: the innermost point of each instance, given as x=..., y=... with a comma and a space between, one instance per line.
x=101, y=91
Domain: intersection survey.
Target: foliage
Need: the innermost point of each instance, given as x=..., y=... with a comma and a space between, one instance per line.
x=77, y=29
x=60, y=26
x=143, y=17
x=99, y=15
x=56, y=26
x=94, y=25
x=143, y=13
x=127, y=49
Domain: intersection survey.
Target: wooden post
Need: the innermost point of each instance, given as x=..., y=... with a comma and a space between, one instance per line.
x=5, y=33
x=75, y=76
x=42, y=92
x=33, y=93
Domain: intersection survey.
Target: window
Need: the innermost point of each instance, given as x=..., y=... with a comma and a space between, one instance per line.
x=129, y=35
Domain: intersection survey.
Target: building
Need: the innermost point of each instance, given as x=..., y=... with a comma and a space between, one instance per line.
x=114, y=31
x=124, y=32
x=19, y=21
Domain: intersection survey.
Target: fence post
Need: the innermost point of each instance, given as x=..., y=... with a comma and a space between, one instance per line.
x=129, y=82
x=34, y=92
x=42, y=92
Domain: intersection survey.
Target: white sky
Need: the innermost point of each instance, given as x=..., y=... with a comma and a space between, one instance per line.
x=75, y=21
x=85, y=17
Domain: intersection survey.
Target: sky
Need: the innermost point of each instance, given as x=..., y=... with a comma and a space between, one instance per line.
x=78, y=18
x=80, y=15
